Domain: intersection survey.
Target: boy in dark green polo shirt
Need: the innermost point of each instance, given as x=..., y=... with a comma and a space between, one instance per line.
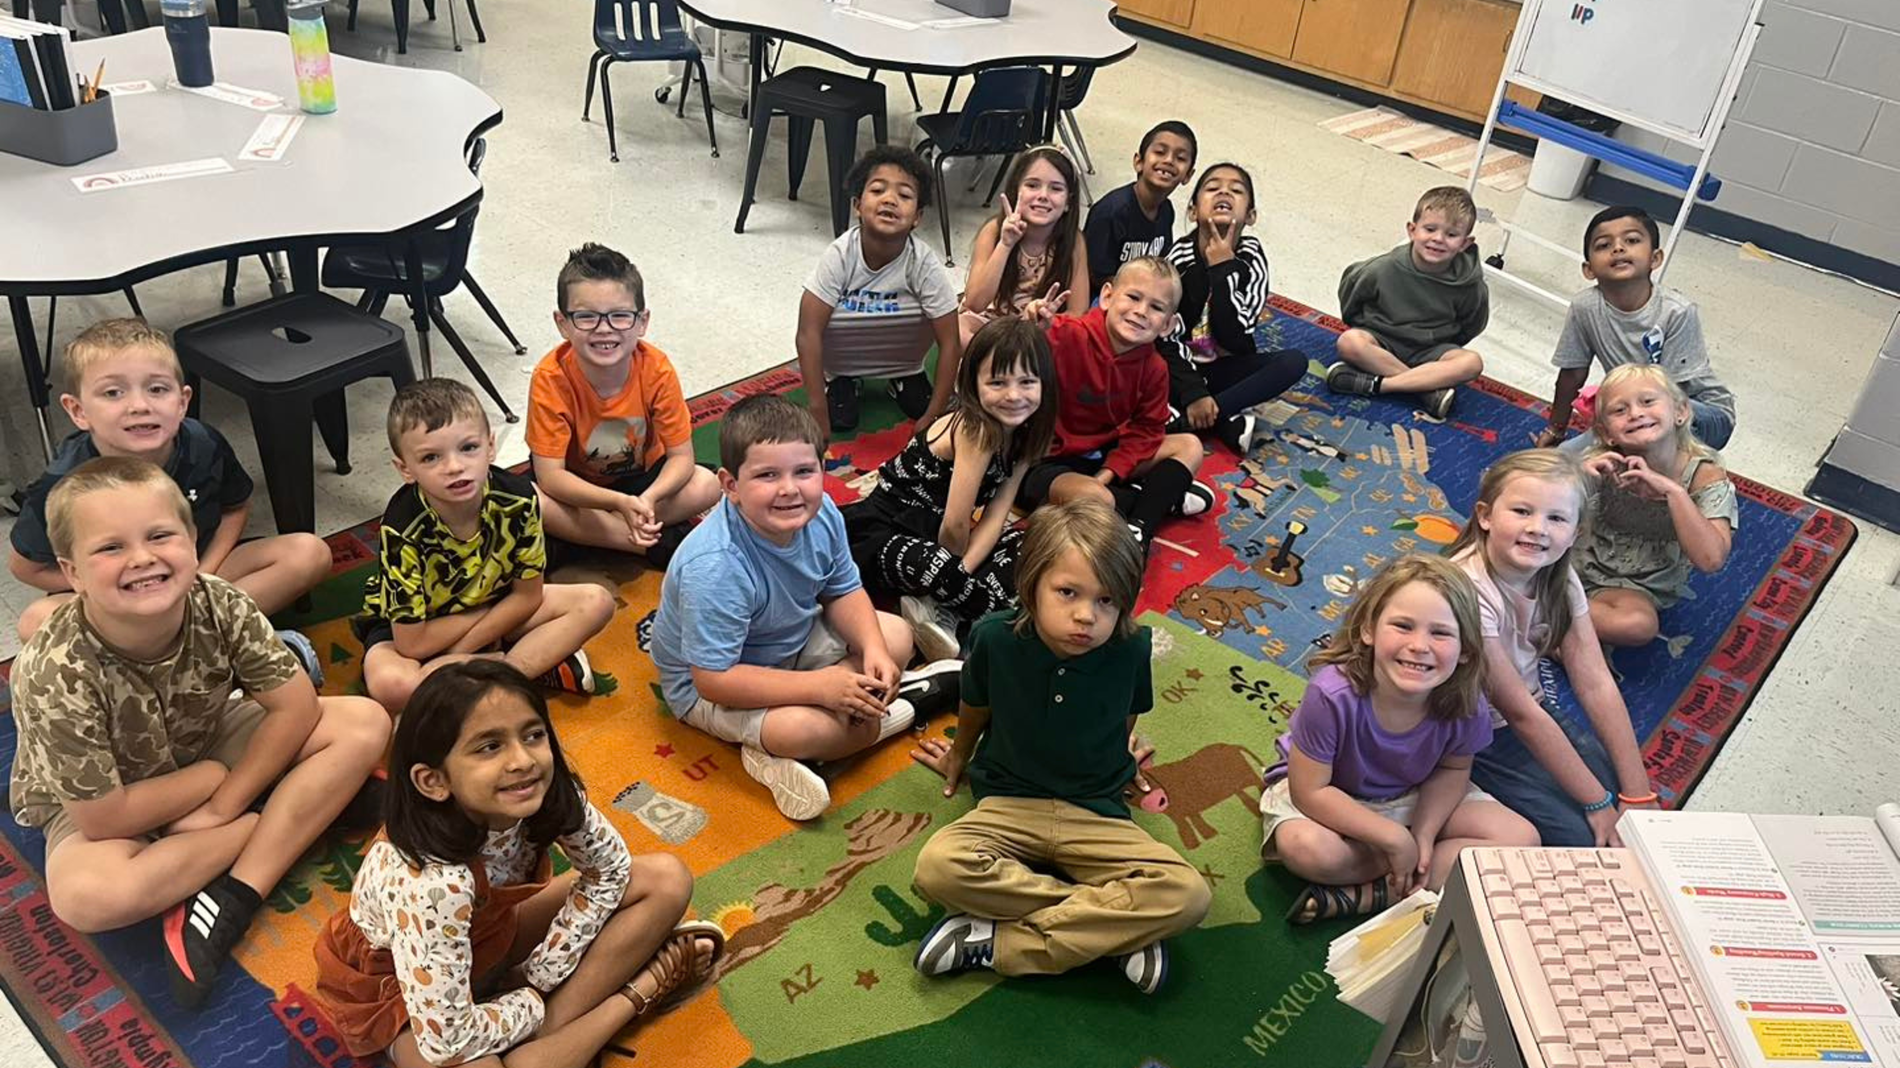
x=1050, y=695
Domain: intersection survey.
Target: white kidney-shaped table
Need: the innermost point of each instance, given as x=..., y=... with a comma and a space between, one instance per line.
x=182, y=190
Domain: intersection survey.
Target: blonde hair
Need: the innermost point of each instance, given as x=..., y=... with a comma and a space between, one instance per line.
x=1158, y=268
x=1551, y=587
x=1453, y=201
x=107, y=473
x=109, y=338
x=1639, y=374
x=1456, y=697
x=1101, y=536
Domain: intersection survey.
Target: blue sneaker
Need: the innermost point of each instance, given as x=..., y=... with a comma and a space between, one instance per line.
x=957, y=943
x=1146, y=967
x=305, y=653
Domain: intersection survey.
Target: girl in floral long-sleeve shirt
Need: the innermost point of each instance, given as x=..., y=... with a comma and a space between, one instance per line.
x=457, y=945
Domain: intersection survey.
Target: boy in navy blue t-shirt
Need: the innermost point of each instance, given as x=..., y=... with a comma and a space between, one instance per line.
x=1137, y=220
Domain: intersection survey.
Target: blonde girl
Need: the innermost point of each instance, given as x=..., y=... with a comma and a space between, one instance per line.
x=1571, y=782
x=1373, y=796
x=1032, y=247
x=1664, y=504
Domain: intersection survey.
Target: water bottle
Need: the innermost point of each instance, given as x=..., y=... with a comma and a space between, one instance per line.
x=310, y=49
x=188, y=31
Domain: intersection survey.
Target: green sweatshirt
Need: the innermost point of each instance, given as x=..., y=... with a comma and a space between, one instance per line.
x=1391, y=297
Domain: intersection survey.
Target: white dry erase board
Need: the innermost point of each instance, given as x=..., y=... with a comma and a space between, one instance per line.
x=1659, y=64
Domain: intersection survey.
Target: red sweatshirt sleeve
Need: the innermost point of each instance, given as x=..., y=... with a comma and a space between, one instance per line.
x=1141, y=439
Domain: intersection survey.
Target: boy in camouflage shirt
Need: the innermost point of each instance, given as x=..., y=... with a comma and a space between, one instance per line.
x=171, y=750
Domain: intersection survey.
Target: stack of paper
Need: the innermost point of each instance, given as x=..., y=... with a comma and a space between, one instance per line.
x=1370, y=962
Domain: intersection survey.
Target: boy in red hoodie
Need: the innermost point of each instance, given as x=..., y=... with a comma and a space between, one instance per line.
x=1110, y=440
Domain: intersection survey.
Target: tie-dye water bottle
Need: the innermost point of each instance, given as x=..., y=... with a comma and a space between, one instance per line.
x=310, y=49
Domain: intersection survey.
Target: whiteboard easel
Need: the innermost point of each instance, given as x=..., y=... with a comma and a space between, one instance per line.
x=1670, y=67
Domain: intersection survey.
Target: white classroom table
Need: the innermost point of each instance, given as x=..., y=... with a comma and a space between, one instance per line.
x=392, y=158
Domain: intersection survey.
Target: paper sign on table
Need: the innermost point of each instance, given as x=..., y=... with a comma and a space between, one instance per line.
x=958, y=22
x=164, y=172
x=255, y=99
x=873, y=16
x=272, y=138
x=132, y=88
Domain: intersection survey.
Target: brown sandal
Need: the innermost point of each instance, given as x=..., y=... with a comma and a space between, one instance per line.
x=673, y=969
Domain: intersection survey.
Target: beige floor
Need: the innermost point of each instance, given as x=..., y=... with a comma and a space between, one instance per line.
x=1793, y=343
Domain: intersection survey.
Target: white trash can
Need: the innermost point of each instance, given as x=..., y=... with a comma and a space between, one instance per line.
x=1559, y=172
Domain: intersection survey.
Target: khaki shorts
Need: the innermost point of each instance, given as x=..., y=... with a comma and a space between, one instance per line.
x=1277, y=808
x=235, y=726
x=744, y=726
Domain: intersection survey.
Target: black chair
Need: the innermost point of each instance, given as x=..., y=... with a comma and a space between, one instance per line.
x=290, y=358
x=1071, y=90
x=640, y=31
x=399, y=11
x=807, y=96
x=910, y=79
x=1001, y=117
x=382, y=269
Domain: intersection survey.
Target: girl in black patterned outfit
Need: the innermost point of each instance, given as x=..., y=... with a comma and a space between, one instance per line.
x=917, y=534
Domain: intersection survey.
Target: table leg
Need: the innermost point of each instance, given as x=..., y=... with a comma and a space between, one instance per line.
x=303, y=267
x=419, y=300
x=112, y=14
x=227, y=12
x=36, y=385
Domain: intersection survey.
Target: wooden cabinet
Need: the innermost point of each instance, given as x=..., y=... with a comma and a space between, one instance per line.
x=1267, y=26
x=1356, y=39
x=1453, y=52
x=1173, y=12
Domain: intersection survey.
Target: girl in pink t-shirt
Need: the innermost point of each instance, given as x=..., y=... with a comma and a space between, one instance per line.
x=1374, y=798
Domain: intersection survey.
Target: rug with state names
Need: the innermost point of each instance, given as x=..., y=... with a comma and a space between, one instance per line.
x=822, y=919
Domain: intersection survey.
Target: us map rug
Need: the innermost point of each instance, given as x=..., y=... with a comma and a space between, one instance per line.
x=822, y=920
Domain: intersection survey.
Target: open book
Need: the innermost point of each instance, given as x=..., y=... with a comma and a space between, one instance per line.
x=1792, y=925
x=1370, y=963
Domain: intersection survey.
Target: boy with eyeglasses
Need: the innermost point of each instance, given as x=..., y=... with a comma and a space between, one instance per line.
x=607, y=422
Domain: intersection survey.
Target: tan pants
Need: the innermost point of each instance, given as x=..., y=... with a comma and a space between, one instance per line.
x=1120, y=889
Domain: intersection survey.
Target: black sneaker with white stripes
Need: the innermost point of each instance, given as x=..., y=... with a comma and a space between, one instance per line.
x=200, y=932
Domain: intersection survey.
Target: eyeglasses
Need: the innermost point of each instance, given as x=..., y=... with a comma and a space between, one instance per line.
x=588, y=321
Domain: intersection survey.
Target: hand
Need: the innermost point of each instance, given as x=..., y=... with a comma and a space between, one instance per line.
x=1549, y=437
x=1013, y=226
x=940, y=756
x=1105, y=477
x=1143, y=751
x=1051, y=304
x=850, y=693
x=1603, y=827
x=1640, y=479
x=1217, y=245
x=1401, y=859
x=1202, y=413
x=643, y=527
x=1423, y=873
x=1605, y=465
x=881, y=667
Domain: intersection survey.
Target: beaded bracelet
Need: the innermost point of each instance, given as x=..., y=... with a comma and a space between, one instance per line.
x=1609, y=798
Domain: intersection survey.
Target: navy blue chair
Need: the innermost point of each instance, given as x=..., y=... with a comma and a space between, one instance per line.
x=641, y=31
x=1002, y=116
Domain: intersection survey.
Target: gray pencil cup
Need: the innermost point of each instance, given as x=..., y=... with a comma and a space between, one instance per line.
x=65, y=137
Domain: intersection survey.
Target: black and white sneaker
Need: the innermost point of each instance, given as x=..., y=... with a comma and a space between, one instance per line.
x=841, y=400
x=912, y=394
x=958, y=943
x=932, y=688
x=199, y=933
x=306, y=654
x=1437, y=403
x=1237, y=433
x=1147, y=967
x=1198, y=498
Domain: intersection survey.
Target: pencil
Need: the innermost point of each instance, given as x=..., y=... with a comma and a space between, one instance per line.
x=92, y=92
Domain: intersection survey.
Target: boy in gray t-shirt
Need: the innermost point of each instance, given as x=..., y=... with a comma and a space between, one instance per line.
x=877, y=298
x=1626, y=318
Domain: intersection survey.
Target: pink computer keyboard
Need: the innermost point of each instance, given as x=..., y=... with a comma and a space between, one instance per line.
x=1598, y=977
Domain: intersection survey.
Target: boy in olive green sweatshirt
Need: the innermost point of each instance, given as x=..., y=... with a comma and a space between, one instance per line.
x=1413, y=310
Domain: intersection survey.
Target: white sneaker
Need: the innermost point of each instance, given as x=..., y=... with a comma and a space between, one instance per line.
x=1198, y=498
x=898, y=717
x=1147, y=967
x=798, y=791
x=934, y=628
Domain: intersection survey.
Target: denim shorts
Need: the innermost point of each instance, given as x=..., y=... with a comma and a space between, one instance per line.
x=1508, y=772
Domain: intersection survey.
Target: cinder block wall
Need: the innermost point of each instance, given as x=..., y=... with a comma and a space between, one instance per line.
x=1813, y=143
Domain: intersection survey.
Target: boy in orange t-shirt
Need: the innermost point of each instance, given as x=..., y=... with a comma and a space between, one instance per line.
x=607, y=422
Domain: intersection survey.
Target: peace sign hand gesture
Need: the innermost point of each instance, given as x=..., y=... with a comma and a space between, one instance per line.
x=1217, y=243
x=1013, y=225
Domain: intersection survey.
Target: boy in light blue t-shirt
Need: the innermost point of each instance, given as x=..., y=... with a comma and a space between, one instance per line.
x=765, y=635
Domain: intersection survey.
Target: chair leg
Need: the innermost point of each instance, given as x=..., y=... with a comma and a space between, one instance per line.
x=229, y=299
x=593, y=72
x=475, y=17
x=429, y=6
x=1082, y=143
x=494, y=313
x=761, y=121
x=378, y=302
x=686, y=88
x=282, y=430
x=998, y=183
x=607, y=104
x=363, y=302
x=943, y=214
x=705, y=101
x=841, y=147
x=916, y=101
x=400, y=10
x=468, y=360
x=333, y=424
x=132, y=299
x=797, y=149
x=351, y=25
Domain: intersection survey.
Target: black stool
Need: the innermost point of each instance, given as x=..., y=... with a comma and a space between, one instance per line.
x=805, y=95
x=289, y=358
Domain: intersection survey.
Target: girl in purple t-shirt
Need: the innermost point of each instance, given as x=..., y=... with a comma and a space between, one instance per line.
x=1373, y=798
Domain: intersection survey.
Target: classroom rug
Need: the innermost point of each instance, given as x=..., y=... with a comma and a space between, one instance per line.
x=1451, y=152
x=822, y=918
